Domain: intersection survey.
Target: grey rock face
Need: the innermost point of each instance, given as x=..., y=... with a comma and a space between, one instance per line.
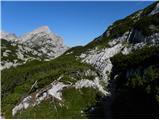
x=40, y=44
x=44, y=41
x=100, y=59
x=8, y=36
x=137, y=37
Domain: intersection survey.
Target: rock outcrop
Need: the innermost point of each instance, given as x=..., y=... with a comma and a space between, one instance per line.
x=40, y=44
x=126, y=43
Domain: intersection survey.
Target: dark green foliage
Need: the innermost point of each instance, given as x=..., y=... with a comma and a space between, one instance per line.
x=142, y=56
x=100, y=42
x=120, y=27
x=145, y=23
x=137, y=84
x=75, y=50
x=137, y=96
x=4, y=43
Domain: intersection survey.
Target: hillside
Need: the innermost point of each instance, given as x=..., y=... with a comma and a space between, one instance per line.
x=114, y=76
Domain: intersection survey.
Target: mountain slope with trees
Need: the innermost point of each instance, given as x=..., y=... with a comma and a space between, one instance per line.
x=114, y=76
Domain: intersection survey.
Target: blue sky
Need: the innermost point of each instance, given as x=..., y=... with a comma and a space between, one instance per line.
x=77, y=22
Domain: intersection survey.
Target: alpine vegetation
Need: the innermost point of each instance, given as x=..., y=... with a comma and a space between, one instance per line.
x=114, y=76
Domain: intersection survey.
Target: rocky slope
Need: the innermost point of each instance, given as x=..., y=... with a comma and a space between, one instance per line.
x=131, y=39
x=88, y=81
x=40, y=44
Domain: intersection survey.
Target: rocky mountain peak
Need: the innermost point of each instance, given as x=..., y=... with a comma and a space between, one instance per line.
x=42, y=29
x=40, y=44
x=41, y=33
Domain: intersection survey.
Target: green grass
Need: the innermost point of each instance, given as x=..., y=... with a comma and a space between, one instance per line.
x=74, y=102
x=16, y=82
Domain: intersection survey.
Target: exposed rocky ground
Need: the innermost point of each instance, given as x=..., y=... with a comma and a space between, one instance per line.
x=110, y=77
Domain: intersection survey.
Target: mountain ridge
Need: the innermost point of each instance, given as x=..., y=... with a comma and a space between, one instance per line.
x=84, y=80
x=40, y=44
